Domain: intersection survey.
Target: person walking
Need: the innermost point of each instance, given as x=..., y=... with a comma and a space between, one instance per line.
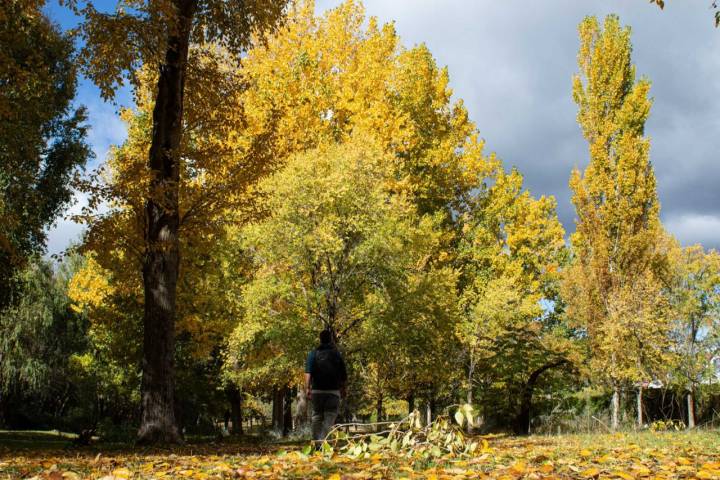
x=325, y=379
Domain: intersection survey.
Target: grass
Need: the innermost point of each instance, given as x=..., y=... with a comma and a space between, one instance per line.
x=631, y=455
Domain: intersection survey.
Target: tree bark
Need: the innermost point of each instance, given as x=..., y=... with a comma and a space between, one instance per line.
x=158, y=423
x=522, y=421
x=471, y=372
x=277, y=409
x=378, y=410
x=614, y=423
x=236, y=415
x=640, y=406
x=691, y=409
x=287, y=412
x=411, y=403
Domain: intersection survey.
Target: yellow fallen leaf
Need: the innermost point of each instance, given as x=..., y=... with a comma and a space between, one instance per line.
x=334, y=476
x=122, y=473
x=706, y=474
x=585, y=453
x=621, y=474
x=590, y=472
x=547, y=468
x=518, y=467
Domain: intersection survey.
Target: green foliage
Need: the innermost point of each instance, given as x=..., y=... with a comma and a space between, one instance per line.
x=409, y=438
x=38, y=332
x=42, y=137
x=336, y=250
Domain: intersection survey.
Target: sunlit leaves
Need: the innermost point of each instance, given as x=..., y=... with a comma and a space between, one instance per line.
x=614, y=287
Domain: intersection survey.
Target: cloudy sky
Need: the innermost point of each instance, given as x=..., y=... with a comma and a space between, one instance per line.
x=512, y=61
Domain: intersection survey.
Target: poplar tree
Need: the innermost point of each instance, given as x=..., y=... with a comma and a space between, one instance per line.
x=613, y=289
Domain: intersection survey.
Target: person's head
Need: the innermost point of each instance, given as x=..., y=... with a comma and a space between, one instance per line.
x=326, y=336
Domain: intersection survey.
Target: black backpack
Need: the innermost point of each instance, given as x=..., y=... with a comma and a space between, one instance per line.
x=326, y=369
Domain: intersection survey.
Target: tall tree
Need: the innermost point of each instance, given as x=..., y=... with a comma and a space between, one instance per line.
x=42, y=137
x=157, y=34
x=613, y=288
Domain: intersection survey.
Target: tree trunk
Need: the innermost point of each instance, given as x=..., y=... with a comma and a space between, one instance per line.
x=158, y=423
x=640, y=407
x=378, y=410
x=522, y=421
x=614, y=423
x=691, y=409
x=236, y=416
x=411, y=403
x=287, y=412
x=277, y=410
x=471, y=372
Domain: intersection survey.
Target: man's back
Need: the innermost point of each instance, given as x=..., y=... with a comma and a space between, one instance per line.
x=327, y=368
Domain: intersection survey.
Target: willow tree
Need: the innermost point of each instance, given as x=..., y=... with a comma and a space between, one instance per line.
x=157, y=34
x=613, y=287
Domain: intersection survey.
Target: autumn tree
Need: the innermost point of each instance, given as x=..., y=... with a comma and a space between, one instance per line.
x=695, y=334
x=510, y=251
x=613, y=289
x=42, y=136
x=337, y=250
x=157, y=35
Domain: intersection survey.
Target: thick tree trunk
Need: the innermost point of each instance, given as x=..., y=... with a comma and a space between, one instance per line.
x=615, y=407
x=158, y=423
x=236, y=416
x=640, y=406
x=522, y=421
x=691, y=409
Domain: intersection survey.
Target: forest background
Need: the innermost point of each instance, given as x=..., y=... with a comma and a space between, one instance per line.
x=331, y=179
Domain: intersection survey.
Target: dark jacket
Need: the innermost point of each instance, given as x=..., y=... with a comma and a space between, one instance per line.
x=326, y=368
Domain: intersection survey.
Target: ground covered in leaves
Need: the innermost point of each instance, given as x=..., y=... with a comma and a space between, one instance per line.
x=624, y=456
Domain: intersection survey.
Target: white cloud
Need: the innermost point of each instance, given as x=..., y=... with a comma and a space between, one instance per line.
x=65, y=232
x=106, y=129
x=691, y=229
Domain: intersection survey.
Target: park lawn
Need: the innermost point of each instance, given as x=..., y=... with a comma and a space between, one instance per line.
x=645, y=455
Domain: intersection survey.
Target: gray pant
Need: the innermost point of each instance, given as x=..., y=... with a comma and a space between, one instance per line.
x=325, y=411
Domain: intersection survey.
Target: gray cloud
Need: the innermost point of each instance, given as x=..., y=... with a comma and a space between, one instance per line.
x=512, y=63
